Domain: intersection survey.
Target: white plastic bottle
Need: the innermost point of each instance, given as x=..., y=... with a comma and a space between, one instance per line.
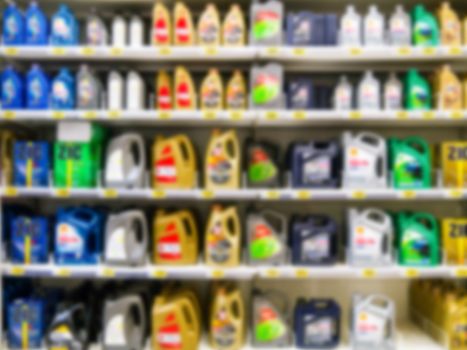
x=374, y=27
x=119, y=31
x=393, y=92
x=115, y=91
x=96, y=31
x=343, y=95
x=136, y=31
x=135, y=91
x=350, y=28
x=400, y=28
x=369, y=92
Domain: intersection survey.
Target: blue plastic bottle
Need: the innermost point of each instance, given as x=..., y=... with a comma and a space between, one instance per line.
x=13, y=25
x=37, y=88
x=63, y=90
x=64, y=27
x=78, y=234
x=12, y=89
x=37, y=25
x=29, y=240
x=31, y=163
x=317, y=324
x=26, y=323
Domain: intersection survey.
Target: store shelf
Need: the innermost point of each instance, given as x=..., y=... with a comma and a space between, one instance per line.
x=248, y=117
x=203, y=272
x=240, y=194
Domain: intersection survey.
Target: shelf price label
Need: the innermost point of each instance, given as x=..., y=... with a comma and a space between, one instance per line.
x=159, y=194
x=9, y=114
x=110, y=193
x=273, y=50
x=209, y=115
x=461, y=273
x=58, y=51
x=272, y=273
x=271, y=115
x=303, y=195
x=62, y=192
x=302, y=273
x=355, y=51
x=358, y=195
x=17, y=271
x=272, y=195
x=403, y=115
x=88, y=51
x=11, y=191
x=217, y=274
x=11, y=51
x=207, y=194
x=211, y=51
x=236, y=115
x=90, y=115
x=455, y=50
x=368, y=273
x=299, y=115
x=116, y=51
x=429, y=51
x=404, y=51
x=114, y=114
x=429, y=115
x=159, y=273
x=58, y=115
x=455, y=194
x=299, y=51
x=408, y=194
x=412, y=273
x=165, y=115
x=457, y=115
x=165, y=51
x=108, y=272
x=355, y=115
x=63, y=272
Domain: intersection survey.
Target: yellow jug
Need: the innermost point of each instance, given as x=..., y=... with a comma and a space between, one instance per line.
x=7, y=139
x=223, y=237
x=448, y=90
x=174, y=163
x=184, y=90
x=164, y=92
x=450, y=25
x=176, y=238
x=236, y=95
x=223, y=161
x=454, y=164
x=212, y=92
x=227, y=318
x=234, y=27
x=161, y=32
x=209, y=26
x=184, y=33
x=454, y=231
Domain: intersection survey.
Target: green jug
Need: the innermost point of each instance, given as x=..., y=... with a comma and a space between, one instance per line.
x=418, y=94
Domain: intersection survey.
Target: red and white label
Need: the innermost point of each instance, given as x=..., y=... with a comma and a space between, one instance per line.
x=166, y=171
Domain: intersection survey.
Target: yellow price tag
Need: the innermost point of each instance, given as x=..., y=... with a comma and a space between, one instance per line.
x=455, y=194
x=62, y=192
x=409, y=194
x=412, y=273
x=165, y=50
x=17, y=271
x=402, y=115
x=209, y=115
x=108, y=272
x=272, y=115
x=429, y=115
x=159, y=194
x=355, y=51
x=461, y=273
x=429, y=51
x=55, y=347
x=90, y=115
x=159, y=273
x=207, y=194
x=116, y=51
x=11, y=51
x=358, y=195
x=303, y=195
x=299, y=115
x=236, y=115
x=272, y=50
x=9, y=114
x=299, y=51
x=58, y=51
x=88, y=51
x=457, y=115
x=114, y=114
x=110, y=193
x=301, y=273
x=11, y=191
x=404, y=51
x=217, y=273
x=211, y=51
x=355, y=115
x=58, y=115
x=63, y=272
x=272, y=273
x=455, y=50
x=272, y=195
x=368, y=273
x=165, y=115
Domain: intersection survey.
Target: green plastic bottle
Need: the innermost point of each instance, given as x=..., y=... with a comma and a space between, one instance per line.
x=418, y=95
x=78, y=163
x=410, y=163
x=418, y=239
x=425, y=27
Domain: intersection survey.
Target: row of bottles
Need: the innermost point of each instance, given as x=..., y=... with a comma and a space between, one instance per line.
x=372, y=238
x=176, y=320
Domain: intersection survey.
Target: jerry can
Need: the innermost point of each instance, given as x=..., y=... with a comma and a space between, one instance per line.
x=125, y=162
x=174, y=163
x=372, y=323
x=78, y=154
x=314, y=240
x=223, y=237
x=176, y=238
x=29, y=239
x=184, y=90
x=454, y=231
x=266, y=87
x=26, y=320
x=176, y=321
x=267, y=238
x=315, y=164
x=124, y=323
x=7, y=140
x=262, y=164
x=418, y=239
x=271, y=327
x=223, y=161
x=227, y=324
x=126, y=238
x=69, y=329
x=365, y=161
x=317, y=324
x=31, y=163
x=78, y=236
x=454, y=164
x=410, y=163
x=370, y=237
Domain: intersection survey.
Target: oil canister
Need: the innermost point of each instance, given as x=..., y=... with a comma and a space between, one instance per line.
x=454, y=231
x=26, y=320
x=454, y=164
x=31, y=163
x=29, y=239
x=262, y=164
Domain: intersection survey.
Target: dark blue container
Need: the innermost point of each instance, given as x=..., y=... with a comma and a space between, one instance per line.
x=317, y=324
x=300, y=28
x=314, y=240
x=78, y=235
x=29, y=239
x=331, y=25
x=26, y=322
x=31, y=163
x=300, y=94
x=315, y=164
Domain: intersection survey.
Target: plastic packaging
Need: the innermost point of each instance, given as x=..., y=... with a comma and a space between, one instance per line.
x=37, y=25
x=29, y=240
x=454, y=164
x=267, y=21
x=164, y=91
x=266, y=86
x=115, y=91
x=88, y=89
x=369, y=92
x=14, y=26
x=64, y=27
x=136, y=32
x=119, y=31
x=351, y=28
x=31, y=163
x=209, y=26
x=400, y=28
x=448, y=90
x=184, y=90
x=425, y=30
x=343, y=95
x=135, y=91
x=184, y=32
x=26, y=319
x=162, y=30
x=212, y=91
x=236, y=95
x=262, y=164
x=234, y=27
x=417, y=92
x=455, y=241
x=96, y=31
x=12, y=89
x=63, y=90
x=393, y=93
x=38, y=88
x=301, y=94
x=374, y=27
x=450, y=25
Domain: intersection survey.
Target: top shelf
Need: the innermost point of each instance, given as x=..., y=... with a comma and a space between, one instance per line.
x=284, y=54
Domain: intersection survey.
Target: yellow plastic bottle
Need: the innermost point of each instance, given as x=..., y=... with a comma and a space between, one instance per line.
x=164, y=95
x=174, y=163
x=454, y=164
x=448, y=89
x=223, y=237
x=234, y=27
x=223, y=161
x=450, y=25
x=454, y=231
x=209, y=27
x=184, y=33
x=212, y=91
x=464, y=88
x=236, y=95
x=162, y=34
x=176, y=238
x=176, y=320
x=465, y=30
x=6, y=151
x=227, y=318
x=184, y=90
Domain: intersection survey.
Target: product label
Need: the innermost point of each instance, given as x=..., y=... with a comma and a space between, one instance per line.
x=183, y=95
x=95, y=33
x=302, y=31
x=210, y=95
x=374, y=31
x=343, y=98
x=115, y=331
x=370, y=328
x=266, y=25
x=393, y=98
x=219, y=247
x=60, y=91
x=316, y=170
x=415, y=248
x=236, y=98
x=360, y=165
x=60, y=28
x=233, y=30
x=451, y=96
x=61, y=334
x=261, y=168
x=169, y=337
x=367, y=243
x=266, y=89
x=86, y=92
x=408, y=170
x=164, y=97
x=68, y=240
x=182, y=30
x=269, y=327
x=161, y=30
x=11, y=27
x=300, y=98
x=315, y=248
x=35, y=92
x=369, y=96
x=223, y=330
x=219, y=165
x=319, y=331
x=33, y=27
x=114, y=166
x=208, y=30
x=169, y=245
x=8, y=91
x=115, y=246
x=166, y=167
x=264, y=243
